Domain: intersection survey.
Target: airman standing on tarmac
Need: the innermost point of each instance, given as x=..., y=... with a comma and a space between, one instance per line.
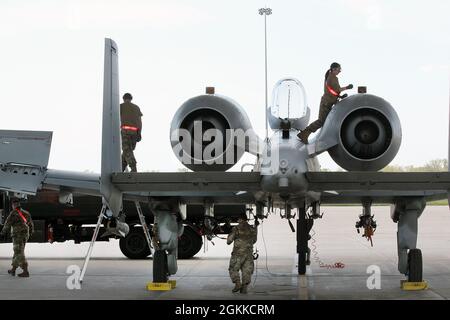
x=332, y=90
x=131, y=128
x=20, y=224
x=244, y=236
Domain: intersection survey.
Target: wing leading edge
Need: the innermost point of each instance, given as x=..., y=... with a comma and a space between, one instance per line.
x=382, y=187
x=183, y=183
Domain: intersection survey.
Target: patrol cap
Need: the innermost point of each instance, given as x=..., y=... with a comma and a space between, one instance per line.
x=127, y=96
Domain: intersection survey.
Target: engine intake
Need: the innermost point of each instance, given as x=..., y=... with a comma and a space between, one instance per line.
x=368, y=133
x=211, y=133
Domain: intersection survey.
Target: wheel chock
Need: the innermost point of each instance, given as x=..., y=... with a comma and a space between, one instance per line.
x=173, y=283
x=159, y=286
x=413, y=286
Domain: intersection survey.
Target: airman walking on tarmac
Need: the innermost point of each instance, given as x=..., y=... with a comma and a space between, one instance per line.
x=20, y=224
x=131, y=128
x=244, y=236
x=332, y=90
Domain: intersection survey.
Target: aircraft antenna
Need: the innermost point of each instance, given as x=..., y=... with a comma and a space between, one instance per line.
x=265, y=12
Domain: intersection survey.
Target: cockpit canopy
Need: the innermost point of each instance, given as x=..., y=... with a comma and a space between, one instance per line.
x=289, y=104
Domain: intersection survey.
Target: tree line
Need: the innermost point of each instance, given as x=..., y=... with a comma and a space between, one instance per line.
x=436, y=165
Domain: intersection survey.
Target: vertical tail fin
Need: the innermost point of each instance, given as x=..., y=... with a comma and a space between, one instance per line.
x=111, y=148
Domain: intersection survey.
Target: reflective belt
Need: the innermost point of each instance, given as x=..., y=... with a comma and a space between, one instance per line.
x=330, y=90
x=22, y=216
x=130, y=128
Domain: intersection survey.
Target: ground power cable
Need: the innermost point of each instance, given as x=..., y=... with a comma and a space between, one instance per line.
x=316, y=258
x=266, y=260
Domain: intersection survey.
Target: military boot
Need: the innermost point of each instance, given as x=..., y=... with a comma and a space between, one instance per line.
x=124, y=165
x=25, y=273
x=303, y=136
x=12, y=271
x=133, y=168
x=244, y=289
x=237, y=286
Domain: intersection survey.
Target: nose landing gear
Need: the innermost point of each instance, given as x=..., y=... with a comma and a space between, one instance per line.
x=304, y=225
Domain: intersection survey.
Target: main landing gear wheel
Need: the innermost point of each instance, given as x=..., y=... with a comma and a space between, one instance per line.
x=415, y=266
x=160, y=268
x=134, y=245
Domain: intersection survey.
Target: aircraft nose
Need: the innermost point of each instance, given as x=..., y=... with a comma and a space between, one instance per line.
x=284, y=166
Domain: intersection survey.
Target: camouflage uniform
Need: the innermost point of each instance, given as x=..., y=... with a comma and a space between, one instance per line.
x=130, y=115
x=326, y=103
x=244, y=236
x=20, y=233
x=129, y=141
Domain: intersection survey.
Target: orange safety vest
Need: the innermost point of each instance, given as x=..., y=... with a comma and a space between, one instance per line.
x=330, y=90
x=129, y=128
x=22, y=216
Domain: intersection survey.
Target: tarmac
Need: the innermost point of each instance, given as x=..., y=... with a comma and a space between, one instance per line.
x=112, y=276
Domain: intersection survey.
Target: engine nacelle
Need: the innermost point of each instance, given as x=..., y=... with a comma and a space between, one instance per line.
x=211, y=132
x=367, y=131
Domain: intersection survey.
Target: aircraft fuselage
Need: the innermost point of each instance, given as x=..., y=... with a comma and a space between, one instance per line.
x=283, y=168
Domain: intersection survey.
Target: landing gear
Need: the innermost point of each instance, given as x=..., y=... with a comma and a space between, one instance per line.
x=167, y=229
x=304, y=225
x=406, y=213
x=415, y=266
x=160, y=268
x=302, y=241
x=134, y=245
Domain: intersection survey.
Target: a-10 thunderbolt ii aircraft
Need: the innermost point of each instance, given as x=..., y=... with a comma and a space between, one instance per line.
x=209, y=133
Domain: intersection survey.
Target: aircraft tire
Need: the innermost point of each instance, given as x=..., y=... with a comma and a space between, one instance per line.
x=134, y=245
x=160, y=269
x=415, y=266
x=301, y=263
x=189, y=243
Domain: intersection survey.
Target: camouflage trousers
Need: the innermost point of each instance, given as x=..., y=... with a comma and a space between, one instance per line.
x=324, y=110
x=243, y=263
x=19, y=259
x=128, y=145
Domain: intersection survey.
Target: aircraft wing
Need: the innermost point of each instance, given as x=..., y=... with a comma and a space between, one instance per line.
x=221, y=187
x=381, y=187
x=74, y=182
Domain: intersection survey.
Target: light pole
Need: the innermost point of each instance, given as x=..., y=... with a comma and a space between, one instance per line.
x=265, y=12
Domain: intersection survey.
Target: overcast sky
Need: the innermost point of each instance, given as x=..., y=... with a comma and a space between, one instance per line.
x=51, y=65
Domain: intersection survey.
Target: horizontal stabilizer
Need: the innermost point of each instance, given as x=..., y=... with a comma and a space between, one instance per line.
x=23, y=159
x=25, y=147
